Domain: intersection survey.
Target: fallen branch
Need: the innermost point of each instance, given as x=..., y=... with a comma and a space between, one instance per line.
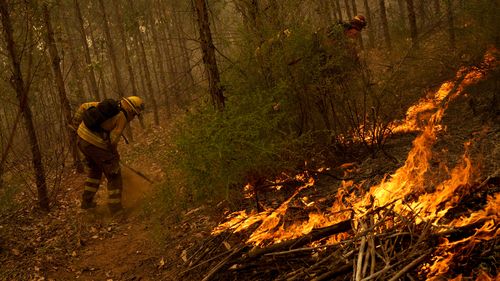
x=315, y=235
x=410, y=266
x=222, y=263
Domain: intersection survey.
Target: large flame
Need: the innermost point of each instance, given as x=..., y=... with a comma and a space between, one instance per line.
x=406, y=188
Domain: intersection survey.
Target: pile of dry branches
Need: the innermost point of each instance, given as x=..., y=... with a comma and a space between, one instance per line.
x=380, y=245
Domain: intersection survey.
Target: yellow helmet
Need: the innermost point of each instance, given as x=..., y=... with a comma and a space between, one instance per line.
x=133, y=104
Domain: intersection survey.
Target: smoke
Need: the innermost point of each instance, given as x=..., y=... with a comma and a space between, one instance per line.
x=135, y=189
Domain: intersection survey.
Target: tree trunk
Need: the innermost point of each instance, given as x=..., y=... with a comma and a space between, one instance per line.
x=165, y=31
x=347, y=9
x=121, y=30
x=22, y=96
x=159, y=60
x=412, y=20
x=331, y=10
x=144, y=62
x=421, y=12
x=402, y=12
x=184, y=50
x=90, y=67
x=208, y=48
x=76, y=71
x=59, y=80
x=147, y=40
x=111, y=51
x=339, y=9
x=385, y=25
x=102, y=80
x=371, y=37
x=451, y=23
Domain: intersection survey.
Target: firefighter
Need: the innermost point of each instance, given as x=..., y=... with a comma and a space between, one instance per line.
x=354, y=26
x=100, y=150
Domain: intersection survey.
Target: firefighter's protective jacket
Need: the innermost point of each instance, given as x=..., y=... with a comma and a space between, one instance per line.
x=112, y=128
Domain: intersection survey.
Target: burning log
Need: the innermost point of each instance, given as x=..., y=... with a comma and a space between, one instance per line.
x=315, y=235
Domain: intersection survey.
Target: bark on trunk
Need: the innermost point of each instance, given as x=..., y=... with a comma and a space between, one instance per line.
x=209, y=60
x=90, y=68
x=412, y=20
x=168, y=48
x=111, y=51
x=347, y=9
x=339, y=10
x=385, y=26
x=421, y=12
x=371, y=37
x=402, y=12
x=123, y=39
x=144, y=62
x=61, y=90
x=102, y=81
x=159, y=60
x=22, y=95
x=184, y=50
x=147, y=75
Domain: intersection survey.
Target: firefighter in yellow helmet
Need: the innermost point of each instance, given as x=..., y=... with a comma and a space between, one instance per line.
x=99, y=126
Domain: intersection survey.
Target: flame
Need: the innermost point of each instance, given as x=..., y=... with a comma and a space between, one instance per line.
x=405, y=188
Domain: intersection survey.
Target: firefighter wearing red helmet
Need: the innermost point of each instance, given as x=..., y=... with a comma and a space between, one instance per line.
x=354, y=26
x=99, y=126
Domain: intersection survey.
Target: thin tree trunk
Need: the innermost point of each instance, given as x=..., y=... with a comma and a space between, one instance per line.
x=111, y=51
x=347, y=9
x=159, y=60
x=124, y=46
x=142, y=52
x=385, y=25
x=412, y=20
x=169, y=54
x=63, y=98
x=184, y=49
x=77, y=73
x=209, y=60
x=368, y=15
x=184, y=58
x=169, y=49
x=90, y=67
x=22, y=96
x=339, y=9
x=147, y=75
x=331, y=10
x=102, y=81
x=421, y=12
x=451, y=23
x=402, y=12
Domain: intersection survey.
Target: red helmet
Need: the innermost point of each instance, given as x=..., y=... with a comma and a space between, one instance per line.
x=358, y=22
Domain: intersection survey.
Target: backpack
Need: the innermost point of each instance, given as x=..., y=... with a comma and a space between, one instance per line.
x=94, y=116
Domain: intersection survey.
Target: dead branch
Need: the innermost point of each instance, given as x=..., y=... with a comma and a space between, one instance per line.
x=411, y=265
x=222, y=263
x=315, y=235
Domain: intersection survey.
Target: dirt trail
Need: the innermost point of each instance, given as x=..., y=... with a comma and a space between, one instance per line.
x=116, y=248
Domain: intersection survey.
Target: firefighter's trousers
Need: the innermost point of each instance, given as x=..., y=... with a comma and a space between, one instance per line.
x=101, y=161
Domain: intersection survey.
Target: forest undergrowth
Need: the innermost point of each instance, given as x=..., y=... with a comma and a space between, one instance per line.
x=153, y=242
